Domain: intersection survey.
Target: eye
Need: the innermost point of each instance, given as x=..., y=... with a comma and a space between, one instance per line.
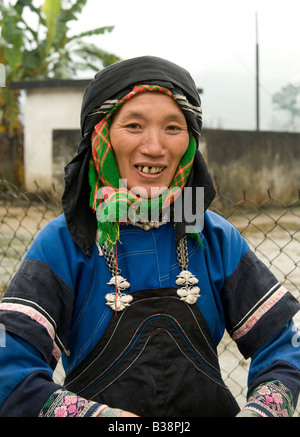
x=133, y=126
x=174, y=128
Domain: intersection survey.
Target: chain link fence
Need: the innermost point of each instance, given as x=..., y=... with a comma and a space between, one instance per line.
x=271, y=228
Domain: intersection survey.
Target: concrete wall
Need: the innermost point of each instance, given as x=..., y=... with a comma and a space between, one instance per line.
x=49, y=105
x=46, y=109
x=64, y=148
x=237, y=160
x=253, y=161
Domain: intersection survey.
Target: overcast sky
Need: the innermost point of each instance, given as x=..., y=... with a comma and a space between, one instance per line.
x=215, y=40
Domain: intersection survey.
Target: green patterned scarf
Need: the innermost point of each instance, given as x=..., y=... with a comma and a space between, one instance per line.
x=114, y=204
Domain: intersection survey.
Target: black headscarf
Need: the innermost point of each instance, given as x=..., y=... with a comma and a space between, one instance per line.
x=113, y=82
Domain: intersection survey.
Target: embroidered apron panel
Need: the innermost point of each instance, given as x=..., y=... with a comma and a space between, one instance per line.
x=156, y=359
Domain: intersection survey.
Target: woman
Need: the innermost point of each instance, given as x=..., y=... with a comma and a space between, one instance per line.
x=136, y=306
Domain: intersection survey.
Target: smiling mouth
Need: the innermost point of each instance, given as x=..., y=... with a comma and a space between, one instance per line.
x=150, y=170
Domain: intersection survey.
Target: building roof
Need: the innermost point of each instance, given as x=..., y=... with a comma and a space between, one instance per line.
x=50, y=83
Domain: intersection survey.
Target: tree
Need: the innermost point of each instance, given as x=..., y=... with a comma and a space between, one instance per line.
x=44, y=51
x=288, y=99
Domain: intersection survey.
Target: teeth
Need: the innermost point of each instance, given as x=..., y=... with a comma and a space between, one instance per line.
x=150, y=170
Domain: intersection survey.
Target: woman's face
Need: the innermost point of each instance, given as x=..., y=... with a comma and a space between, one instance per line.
x=149, y=135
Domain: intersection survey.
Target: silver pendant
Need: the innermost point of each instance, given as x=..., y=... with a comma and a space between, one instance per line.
x=119, y=282
x=189, y=292
x=118, y=301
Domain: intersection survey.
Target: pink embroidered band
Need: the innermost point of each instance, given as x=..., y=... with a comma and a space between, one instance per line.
x=260, y=311
x=36, y=316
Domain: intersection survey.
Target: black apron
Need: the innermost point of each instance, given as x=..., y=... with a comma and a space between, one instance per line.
x=156, y=359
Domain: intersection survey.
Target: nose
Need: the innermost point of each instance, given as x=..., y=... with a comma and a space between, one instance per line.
x=153, y=143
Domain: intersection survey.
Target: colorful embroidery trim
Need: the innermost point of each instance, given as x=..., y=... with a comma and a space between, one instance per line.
x=40, y=316
x=271, y=399
x=63, y=403
x=254, y=315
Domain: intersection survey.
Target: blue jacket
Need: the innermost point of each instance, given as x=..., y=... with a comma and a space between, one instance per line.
x=55, y=305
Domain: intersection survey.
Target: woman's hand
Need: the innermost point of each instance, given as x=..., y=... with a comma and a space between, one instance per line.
x=106, y=411
x=127, y=414
x=247, y=413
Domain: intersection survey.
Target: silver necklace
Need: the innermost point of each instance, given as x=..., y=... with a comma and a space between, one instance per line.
x=189, y=292
x=118, y=300
x=149, y=225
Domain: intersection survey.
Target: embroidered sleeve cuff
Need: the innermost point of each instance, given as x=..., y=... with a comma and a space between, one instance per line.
x=63, y=403
x=271, y=399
